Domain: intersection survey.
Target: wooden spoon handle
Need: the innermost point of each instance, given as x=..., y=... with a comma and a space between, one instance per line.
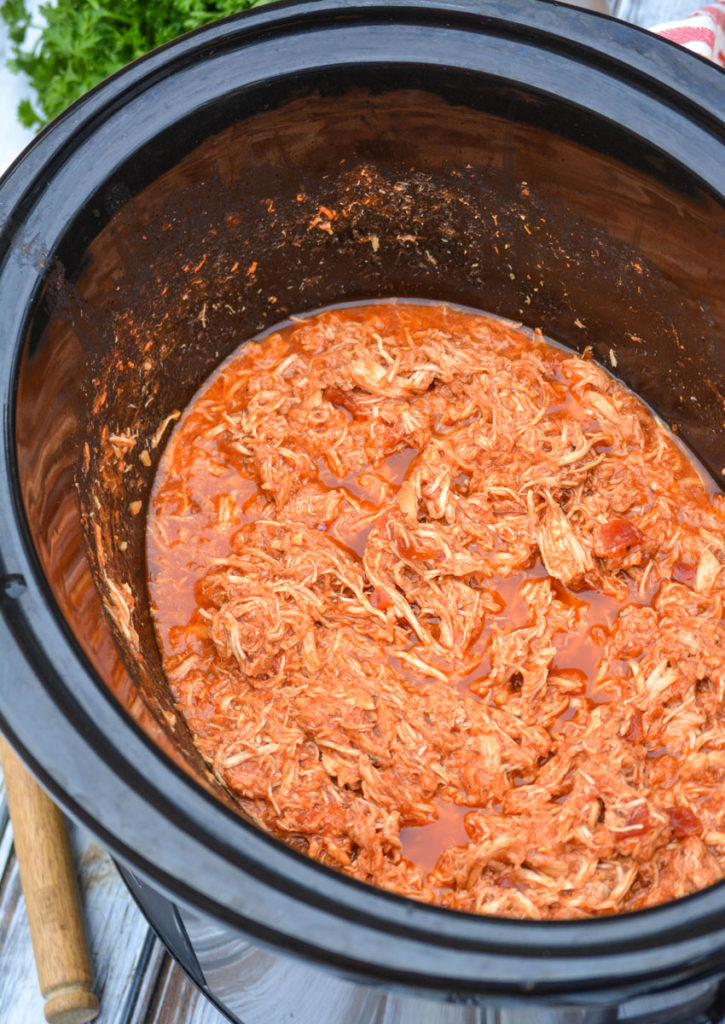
x=51, y=896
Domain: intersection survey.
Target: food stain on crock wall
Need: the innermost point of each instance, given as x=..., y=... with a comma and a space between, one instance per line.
x=220, y=247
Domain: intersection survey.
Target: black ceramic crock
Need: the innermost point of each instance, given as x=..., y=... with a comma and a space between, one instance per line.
x=521, y=157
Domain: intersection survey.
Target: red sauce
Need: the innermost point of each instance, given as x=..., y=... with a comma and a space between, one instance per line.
x=424, y=845
x=409, y=564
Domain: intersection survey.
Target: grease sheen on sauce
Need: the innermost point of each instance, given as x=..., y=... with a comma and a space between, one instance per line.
x=205, y=494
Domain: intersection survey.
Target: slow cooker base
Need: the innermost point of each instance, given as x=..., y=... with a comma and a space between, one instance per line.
x=254, y=985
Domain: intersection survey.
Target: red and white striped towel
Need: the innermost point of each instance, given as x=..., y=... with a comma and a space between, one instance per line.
x=703, y=32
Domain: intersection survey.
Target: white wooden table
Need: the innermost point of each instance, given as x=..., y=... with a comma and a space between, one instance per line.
x=136, y=980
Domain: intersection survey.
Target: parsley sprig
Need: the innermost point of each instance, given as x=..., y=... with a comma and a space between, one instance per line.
x=84, y=41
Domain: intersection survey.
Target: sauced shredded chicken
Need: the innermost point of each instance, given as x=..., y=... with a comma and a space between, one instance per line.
x=443, y=608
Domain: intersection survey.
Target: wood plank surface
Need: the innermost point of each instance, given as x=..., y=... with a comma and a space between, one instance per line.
x=136, y=980
x=652, y=12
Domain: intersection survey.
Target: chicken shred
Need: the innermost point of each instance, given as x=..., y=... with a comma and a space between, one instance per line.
x=413, y=566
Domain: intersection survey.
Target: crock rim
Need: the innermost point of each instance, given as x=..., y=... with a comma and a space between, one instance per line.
x=62, y=727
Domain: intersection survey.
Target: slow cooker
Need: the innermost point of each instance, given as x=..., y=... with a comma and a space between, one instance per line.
x=529, y=159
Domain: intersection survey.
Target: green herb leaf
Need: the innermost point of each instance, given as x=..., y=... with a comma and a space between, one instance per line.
x=27, y=116
x=84, y=41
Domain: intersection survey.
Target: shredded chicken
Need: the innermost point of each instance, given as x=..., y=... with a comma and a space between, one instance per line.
x=407, y=560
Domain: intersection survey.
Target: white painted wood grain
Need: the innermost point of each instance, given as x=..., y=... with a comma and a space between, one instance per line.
x=115, y=928
x=653, y=12
x=13, y=88
x=136, y=980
